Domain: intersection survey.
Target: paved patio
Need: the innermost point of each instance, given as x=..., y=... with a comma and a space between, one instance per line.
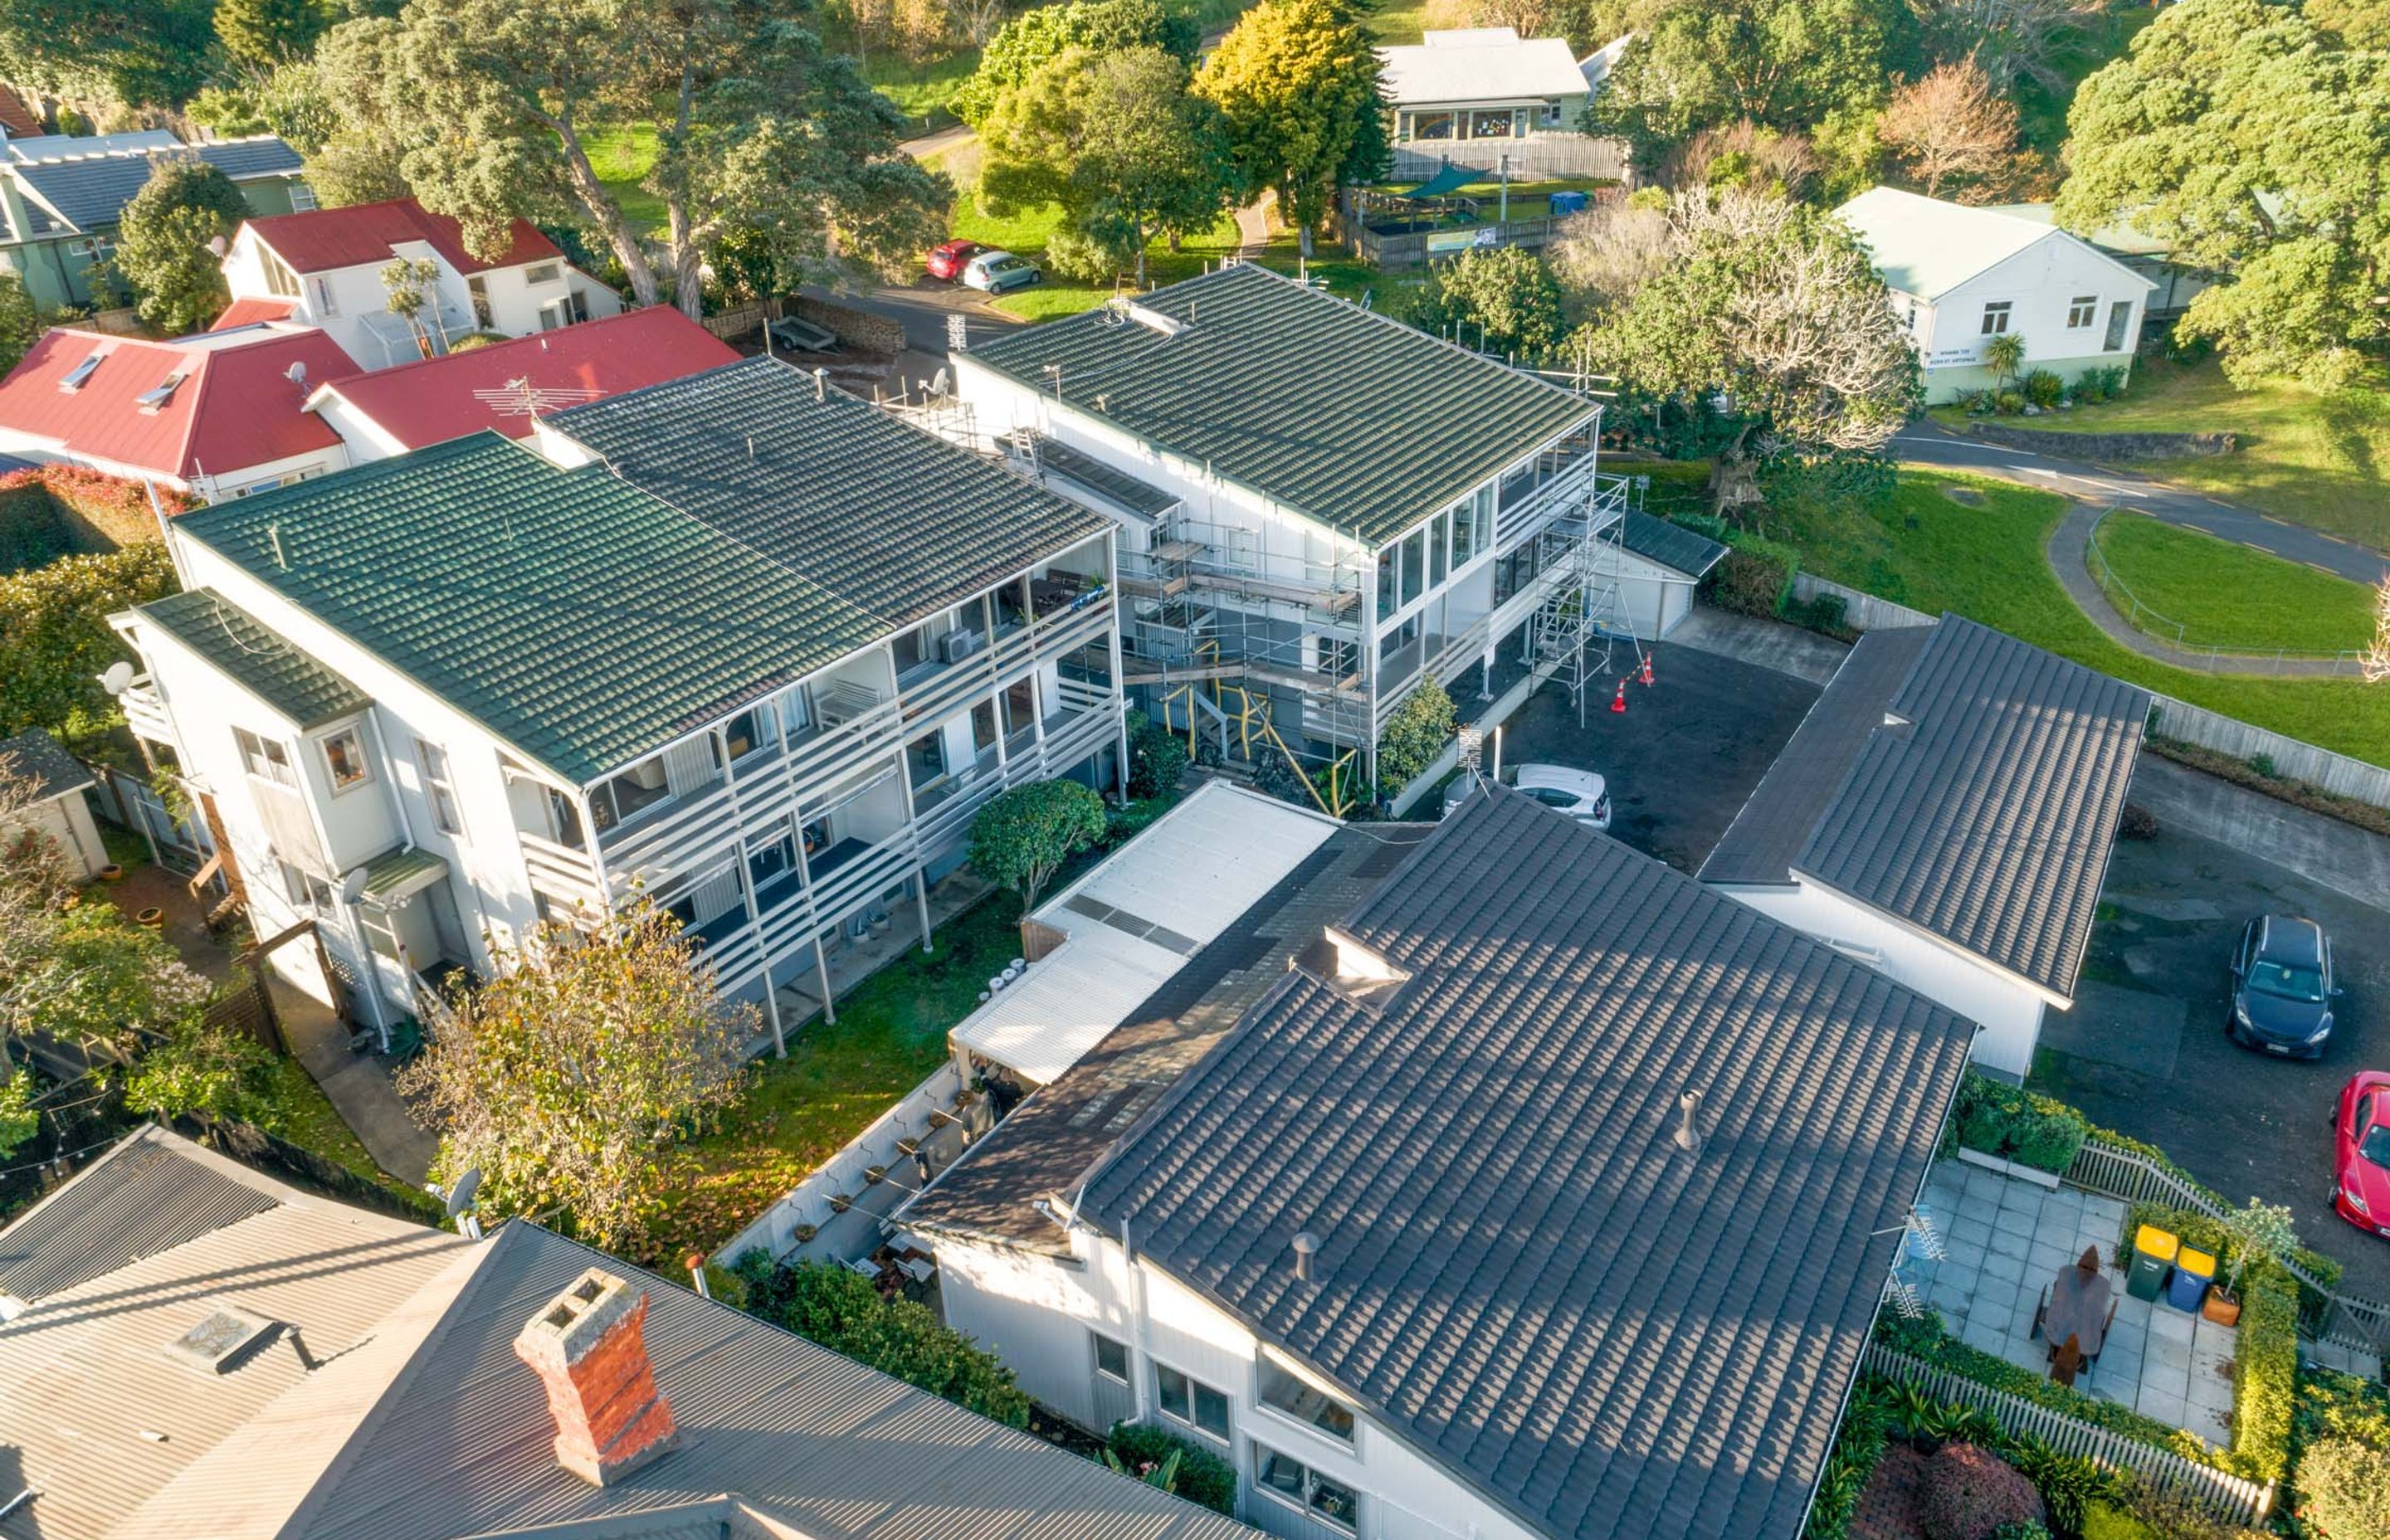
x=2007, y=1239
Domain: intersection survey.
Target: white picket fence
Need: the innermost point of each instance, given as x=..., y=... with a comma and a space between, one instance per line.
x=2228, y=1496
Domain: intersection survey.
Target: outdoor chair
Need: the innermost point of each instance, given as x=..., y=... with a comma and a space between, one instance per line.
x=2041, y=1316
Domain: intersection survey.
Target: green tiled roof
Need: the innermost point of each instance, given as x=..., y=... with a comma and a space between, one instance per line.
x=1351, y=418
x=401, y=870
x=256, y=657
x=581, y=619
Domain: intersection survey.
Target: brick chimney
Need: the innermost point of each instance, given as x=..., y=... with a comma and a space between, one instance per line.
x=589, y=1348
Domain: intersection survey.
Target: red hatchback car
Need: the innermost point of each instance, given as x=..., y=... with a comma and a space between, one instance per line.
x=947, y=261
x=2360, y=1154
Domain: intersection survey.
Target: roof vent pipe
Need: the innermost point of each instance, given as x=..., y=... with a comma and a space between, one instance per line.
x=821, y=384
x=1307, y=1246
x=1689, y=1133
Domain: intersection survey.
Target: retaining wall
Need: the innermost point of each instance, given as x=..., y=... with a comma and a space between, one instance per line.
x=1861, y=611
x=2105, y=446
x=2292, y=759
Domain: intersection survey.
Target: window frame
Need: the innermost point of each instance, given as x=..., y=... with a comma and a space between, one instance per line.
x=1195, y=1390
x=327, y=302
x=1267, y=1368
x=2082, y=311
x=256, y=750
x=438, y=788
x=1097, y=1342
x=2001, y=312
x=364, y=774
x=1306, y=1502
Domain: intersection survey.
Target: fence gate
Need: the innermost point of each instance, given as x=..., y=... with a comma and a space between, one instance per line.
x=246, y=1006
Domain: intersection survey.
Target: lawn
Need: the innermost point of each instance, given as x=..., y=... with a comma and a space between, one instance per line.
x=2304, y=456
x=1399, y=21
x=621, y=157
x=923, y=88
x=799, y=1111
x=1986, y=561
x=2228, y=595
x=310, y=1122
x=1027, y=233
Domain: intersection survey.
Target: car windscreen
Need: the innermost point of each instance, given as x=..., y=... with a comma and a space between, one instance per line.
x=1552, y=796
x=2375, y=1145
x=2285, y=982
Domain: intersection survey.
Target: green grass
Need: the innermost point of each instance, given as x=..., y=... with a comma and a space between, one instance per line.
x=799, y=1111
x=920, y=89
x=1986, y=563
x=621, y=157
x=2310, y=458
x=310, y=1122
x=1026, y=233
x=2229, y=595
x=1399, y=22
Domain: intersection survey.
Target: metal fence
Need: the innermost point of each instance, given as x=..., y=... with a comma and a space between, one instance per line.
x=2205, y=656
x=2327, y=1316
x=2229, y=1498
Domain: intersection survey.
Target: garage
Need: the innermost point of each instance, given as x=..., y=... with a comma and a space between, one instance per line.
x=1659, y=565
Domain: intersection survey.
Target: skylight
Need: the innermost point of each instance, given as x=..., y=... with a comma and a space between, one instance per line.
x=75, y=377
x=156, y=398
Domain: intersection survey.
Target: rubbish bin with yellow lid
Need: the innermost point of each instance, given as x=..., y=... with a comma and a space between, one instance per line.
x=2194, y=1271
x=2153, y=1252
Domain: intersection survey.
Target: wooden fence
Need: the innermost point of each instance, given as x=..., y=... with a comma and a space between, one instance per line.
x=1538, y=156
x=2327, y=1316
x=2228, y=1496
x=245, y=1006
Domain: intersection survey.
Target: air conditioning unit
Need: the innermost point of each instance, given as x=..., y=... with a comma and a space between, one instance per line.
x=955, y=646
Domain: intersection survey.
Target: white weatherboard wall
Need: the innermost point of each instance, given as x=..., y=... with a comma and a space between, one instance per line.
x=1035, y=1312
x=2038, y=284
x=1657, y=599
x=2008, y=1008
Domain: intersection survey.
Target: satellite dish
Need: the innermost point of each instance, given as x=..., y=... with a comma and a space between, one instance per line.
x=938, y=382
x=217, y=245
x=461, y=1191
x=296, y=373
x=118, y=679
x=353, y=887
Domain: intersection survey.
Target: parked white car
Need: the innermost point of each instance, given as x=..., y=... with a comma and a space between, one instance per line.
x=996, y=272
x=1579, y=793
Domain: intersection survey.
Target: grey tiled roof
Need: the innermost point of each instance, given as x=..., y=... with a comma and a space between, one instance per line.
x=1057, y=1136
x=1671, y=544
x=1520, y=1273
x=92, y=190
x=35, y=753
x=268, y=665
x=1349, y=417
x=836, y=1450
x=894, y=523
x=1059, y=461
x=1988, y=815
x=1775, y=823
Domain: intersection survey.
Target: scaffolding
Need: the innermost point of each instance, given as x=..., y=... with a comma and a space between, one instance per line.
x=1573, y=632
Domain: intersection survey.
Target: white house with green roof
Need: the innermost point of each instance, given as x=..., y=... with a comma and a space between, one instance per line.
x=1320, y=507
x=739, y=642
x=1960, y=276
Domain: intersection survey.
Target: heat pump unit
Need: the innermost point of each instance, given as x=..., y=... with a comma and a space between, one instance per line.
x=955, y=646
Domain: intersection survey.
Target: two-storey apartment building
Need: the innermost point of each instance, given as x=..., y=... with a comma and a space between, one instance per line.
x=1320, y=507
x=744, y=643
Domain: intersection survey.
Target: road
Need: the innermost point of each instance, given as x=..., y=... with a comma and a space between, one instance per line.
x=925, y=309
x=1927, y=443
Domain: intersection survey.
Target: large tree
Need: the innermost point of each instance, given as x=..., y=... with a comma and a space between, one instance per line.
x=1297, y=84
x=493, y=105
x=1775, y=310
x=1116, y=140
x=1497, y=299
x=2256, y=146
x=1782, y=64
x=567, y=1080
x=1034, y=38
x=138, y=52
x=163, y=251
x=1949, y=127
x=1021, y=838
x=2010, y=40
x=265, y=32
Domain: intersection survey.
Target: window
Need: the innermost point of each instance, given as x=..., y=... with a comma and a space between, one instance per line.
x=631, y=793
x=265, y=759
x=1439, y=547
x=1432, y=125
x=1414, y=565
x=344, y=759
x=280, y=279
x=303, y=199
x=1465, y=543
x=1283, y=1392
x=1190, y=1401
x=324, y=303
x=926, y=756
x=749, y=731
x=2120, y=321
x=73, y=379
x=432, y=760
x=983, y=727
x=477, y=289
x=2081, y=311
x=304, y=888
x=1490, y=126
x=1995, y=317
x=1295, y=1484
x=912, y=650
x=1388, y=561
x=1111, y=1357
x=545, y=272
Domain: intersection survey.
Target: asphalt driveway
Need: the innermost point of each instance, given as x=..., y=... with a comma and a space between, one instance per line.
x=2144, y=1052
x=1683, y=757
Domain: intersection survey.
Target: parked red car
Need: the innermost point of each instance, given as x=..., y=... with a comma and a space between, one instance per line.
x=2360, y=1154
x=947, y=261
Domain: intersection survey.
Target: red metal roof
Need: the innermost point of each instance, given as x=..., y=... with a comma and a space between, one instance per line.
x=434, y=401
x=236, y=407
x=322, y=239
x=19, y=117
x=248, y=312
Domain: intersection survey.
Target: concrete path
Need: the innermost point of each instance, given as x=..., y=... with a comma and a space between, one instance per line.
x=2330, y=853
x=1769, y=644
x=357, y=1085
x=931, y=144
x=1252, y=228
x=2069, y=553
x=1925, y=442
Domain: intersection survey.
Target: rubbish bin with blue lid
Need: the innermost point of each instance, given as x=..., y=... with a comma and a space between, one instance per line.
x=2153, y=1254
x=1567, y=203
x=2194, y=1271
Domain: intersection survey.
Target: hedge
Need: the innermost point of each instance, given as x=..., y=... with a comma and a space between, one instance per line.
x=2266, y=1372
x=2017, y=1124
x=1928, y=1341
x=1204, y=1477
x=1755, y=576
x=2211, y=1235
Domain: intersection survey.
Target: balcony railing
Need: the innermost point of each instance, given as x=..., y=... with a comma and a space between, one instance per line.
x=1534, y=498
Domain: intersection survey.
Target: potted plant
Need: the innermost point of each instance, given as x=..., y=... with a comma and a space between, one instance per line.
x=804, y=1232
x=2259, y=1232
x=112, y=873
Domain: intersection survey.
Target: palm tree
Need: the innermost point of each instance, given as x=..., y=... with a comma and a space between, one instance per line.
x=2004, y=356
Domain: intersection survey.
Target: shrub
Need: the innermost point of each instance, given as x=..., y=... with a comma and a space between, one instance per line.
x=1850, y=1465
x=2264, y=1376
x=1204, y=1477
x=2331, y=1405
x=2344, y=1490
x=2007, y=403
x=1416, y=733
x=2141, y=1511
x=1020, y=839
x=1755, y=577
x=843, y=1311
x=2019, y=1125
x=1969, y=1493
x=1822, y=613
x=2023, y=1529
x=2042, y=388
x=1156, y=758
x=55, y=634
x=2139, y=822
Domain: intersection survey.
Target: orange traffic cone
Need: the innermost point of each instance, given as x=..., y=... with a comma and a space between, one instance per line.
x=1647, y=668
x=1618, y=701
